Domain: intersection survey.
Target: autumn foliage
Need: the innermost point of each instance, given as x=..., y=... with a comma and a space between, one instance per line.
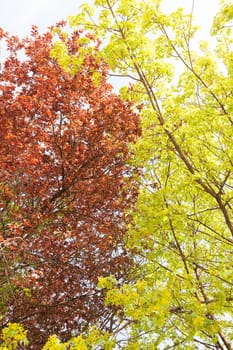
x=65, y=187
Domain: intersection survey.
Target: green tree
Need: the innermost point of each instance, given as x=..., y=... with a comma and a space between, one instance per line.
x=181, y=295
x=14, y=337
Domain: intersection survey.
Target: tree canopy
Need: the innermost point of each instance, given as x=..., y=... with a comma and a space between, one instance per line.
x=182, y=234
x=179, y=293
x=66, y=187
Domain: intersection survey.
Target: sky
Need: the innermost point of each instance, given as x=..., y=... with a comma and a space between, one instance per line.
x=17, y=16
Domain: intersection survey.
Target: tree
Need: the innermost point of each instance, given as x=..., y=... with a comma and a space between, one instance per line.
x=14, y=337
x=66, y=186
x=182, y=235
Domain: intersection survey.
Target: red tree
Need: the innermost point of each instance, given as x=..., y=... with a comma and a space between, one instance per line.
x=65, y=186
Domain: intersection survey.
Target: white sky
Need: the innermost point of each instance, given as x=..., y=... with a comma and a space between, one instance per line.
x=17, y=16
x=204, y=11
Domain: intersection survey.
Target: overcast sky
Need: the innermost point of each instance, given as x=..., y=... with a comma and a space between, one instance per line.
x=17, y=16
